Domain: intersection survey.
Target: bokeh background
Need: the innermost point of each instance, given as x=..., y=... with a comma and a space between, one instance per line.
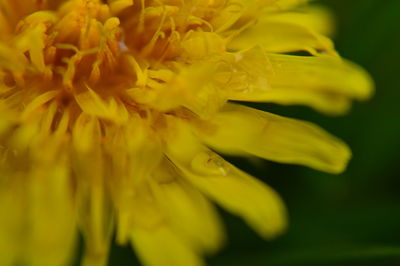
x=347, y=219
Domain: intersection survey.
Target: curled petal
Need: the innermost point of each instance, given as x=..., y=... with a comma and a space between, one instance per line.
x=241, y=130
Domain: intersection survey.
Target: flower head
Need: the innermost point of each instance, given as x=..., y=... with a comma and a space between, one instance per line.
x=110, y=112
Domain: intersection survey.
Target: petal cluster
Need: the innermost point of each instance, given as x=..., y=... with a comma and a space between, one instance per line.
x=111, y=114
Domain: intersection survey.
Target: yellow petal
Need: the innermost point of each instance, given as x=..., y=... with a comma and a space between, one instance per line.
x=133, y=154
x=161, y=247
x=38, y=103
x=316, y=18
x=38, y=216
x=10, y=60
x=53, y=228
x=93, y=199
x=8, y=118
x=5, y=27
x=198, y=45
x=320, y=73
x=152, y=237
x=287, y=4
x=92, y=104
x=117, y=6
x=240, y=129
x=325, y=83
x=188, y=88
x=187, y=210
x=280, y=34
x=86, y=134
x=231, y=12
x=37, y=225
x=233, y=189
x=96, y=221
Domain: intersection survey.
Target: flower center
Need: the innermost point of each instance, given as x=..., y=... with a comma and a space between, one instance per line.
x=82, y=40
x=144, y=55
x=78, y=42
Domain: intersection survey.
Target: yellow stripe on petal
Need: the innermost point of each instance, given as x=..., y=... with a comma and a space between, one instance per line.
x=259, y=205
x=241, y=130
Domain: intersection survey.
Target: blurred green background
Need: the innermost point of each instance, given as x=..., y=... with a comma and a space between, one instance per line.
x=349, y=219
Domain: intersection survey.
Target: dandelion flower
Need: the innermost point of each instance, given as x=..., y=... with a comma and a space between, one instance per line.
x=111, y=114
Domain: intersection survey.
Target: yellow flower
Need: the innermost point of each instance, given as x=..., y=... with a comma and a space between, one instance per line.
x=110, y=112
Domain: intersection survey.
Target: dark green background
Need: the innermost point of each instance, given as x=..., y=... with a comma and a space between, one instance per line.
x=349, y=219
